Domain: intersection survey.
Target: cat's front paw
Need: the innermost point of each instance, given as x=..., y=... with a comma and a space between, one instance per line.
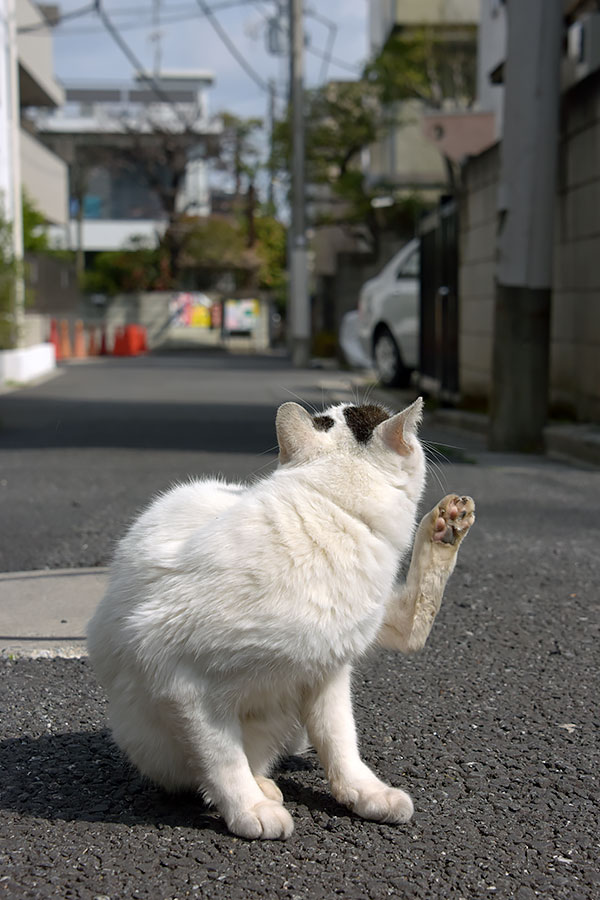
x=380, y=803
x=269, y=788
x=268, y=820
x=452, y=519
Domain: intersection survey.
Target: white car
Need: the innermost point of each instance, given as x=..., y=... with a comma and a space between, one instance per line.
x=388, y=310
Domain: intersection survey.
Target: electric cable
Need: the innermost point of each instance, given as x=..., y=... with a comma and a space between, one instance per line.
x=230, y=45
x=137, y=65
x=186, y=13
x=355, y=68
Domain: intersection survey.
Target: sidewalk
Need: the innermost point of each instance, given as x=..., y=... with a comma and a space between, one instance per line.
x=568, y=441
x=44, y=614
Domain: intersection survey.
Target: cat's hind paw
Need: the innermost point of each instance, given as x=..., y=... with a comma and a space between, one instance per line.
x=452, y=519
x=383, y=804
x=268, y=820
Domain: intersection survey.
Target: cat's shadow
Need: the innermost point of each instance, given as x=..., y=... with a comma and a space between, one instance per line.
x=82, y=776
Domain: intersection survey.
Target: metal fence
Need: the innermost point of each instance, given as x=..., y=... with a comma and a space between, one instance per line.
x=438, y=369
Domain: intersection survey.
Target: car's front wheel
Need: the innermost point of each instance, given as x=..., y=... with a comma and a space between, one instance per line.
x=388, y=363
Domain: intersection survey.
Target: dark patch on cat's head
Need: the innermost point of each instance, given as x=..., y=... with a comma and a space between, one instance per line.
x=323, y=423
x=363, y=420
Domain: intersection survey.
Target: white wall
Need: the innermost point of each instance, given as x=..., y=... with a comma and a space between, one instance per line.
x=21, y=366
x=107, y=234
x=45, y=179
x=35, y=52
x=491, y=51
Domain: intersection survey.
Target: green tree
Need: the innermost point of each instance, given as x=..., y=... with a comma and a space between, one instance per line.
x=342, y=119
x=35, y=238
x=128, y=271
x=433, y=64
x=239, y=154
x=8, y=273
x=271, y=243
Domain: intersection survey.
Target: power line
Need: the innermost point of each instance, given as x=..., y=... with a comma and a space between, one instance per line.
x=137, y=65
x=355, y=68
x=185, y=13
x=233, y=50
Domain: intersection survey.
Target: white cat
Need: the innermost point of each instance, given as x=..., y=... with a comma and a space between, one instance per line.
x=234, y=613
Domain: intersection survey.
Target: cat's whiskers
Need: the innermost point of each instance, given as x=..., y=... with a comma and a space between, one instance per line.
x=437, y=472
x=435, y=452
x=256, y=474
x=370, y=388
x=298, y=397
x=268, y=450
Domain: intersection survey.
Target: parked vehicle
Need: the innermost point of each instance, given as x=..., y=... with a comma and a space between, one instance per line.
x=350, y=344
x=388, y=310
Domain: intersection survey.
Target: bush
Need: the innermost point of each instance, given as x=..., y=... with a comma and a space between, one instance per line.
x=8, y=272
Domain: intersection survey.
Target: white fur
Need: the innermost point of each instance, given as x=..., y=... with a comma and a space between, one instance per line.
x=234, y=613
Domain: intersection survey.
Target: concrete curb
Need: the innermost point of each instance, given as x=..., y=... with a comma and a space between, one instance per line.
x=45, y=613
x=575, y=443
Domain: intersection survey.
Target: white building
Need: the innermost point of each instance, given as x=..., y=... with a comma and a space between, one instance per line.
x=117, y=202
x=43, y=174
x=404, y=156
x=491, y=53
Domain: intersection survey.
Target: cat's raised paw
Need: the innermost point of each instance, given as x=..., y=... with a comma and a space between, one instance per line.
x=384, y=804
x=268, y=820
x=452, y=519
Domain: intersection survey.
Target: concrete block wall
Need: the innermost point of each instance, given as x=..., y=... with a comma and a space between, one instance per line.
x=477, y=248
x=575, y=350
x=575, y=334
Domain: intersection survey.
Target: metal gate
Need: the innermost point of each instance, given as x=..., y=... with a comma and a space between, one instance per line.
x=438, y=368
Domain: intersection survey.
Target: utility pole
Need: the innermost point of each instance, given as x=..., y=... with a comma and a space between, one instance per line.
x=526, y=198
x=271, y=116
x=299, y=300
x=156, y=37
x=10, y=154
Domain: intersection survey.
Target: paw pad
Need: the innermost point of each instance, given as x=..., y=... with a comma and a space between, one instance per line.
x=453, y=518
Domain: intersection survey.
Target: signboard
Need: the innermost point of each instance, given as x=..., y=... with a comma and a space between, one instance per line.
x=194, y=309
x=241, y=316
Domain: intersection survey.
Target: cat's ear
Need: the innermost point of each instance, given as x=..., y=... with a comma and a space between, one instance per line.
x=295, y=430
x=395, y=431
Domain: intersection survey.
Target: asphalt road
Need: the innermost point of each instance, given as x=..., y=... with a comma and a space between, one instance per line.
x=493, y=728
x=82, y=453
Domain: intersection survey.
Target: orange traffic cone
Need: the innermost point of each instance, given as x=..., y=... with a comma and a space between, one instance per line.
x=79, y=348
x=93, y=349
x=119, y=342
x=143, y=339
x=64, y=340
x=53, y=339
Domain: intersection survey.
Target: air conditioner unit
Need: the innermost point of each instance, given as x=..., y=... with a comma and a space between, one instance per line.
x=583, y=50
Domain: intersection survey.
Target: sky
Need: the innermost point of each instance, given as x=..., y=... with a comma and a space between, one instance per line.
x=83, y=50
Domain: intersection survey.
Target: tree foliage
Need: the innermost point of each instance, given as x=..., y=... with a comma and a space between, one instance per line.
x=239, y=155
x=139, y=268
x=216, y=244
x=35, y=240
x=8, y=272
x=342, y=119
x=433, y=65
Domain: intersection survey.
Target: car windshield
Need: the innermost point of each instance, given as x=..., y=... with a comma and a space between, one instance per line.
x=409, y=268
